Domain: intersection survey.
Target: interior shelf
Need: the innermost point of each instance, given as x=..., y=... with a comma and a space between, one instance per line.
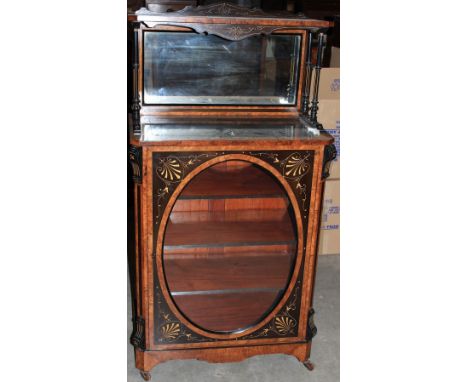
x=249, y=181
x=229, y=246
x=226, y=312
x=231, y=228
x=220, y=274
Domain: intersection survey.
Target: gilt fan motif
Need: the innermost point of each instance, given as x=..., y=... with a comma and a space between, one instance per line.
x=295, y=166
x=170, y=331
x=284, y=325
x=170, y=169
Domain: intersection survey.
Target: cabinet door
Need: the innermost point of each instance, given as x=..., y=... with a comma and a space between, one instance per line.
x=230, y=244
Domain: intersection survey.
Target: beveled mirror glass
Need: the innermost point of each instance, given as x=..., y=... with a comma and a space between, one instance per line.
x=182, y=68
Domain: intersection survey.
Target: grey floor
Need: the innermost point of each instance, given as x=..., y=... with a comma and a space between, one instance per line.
x=271, y=368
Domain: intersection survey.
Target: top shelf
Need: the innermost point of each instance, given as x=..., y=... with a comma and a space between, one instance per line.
x=248, y=182
x=225, y=12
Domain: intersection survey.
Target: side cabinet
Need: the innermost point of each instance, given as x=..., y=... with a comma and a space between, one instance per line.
x=228, y=161
x=225, y=245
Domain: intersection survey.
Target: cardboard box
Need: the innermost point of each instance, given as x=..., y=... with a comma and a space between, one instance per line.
x=329, y=111
x=335, y=57
x=329, y=84
x=329, y=238
x=329, y=116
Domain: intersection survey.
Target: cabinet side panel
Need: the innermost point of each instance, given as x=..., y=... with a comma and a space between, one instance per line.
x=312, y=238
x=135, y=253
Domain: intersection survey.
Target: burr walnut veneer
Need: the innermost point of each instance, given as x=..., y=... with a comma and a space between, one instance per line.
x=228, y=164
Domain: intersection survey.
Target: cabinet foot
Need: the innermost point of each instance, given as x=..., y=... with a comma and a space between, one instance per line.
x=145, y=375
x=309, y=365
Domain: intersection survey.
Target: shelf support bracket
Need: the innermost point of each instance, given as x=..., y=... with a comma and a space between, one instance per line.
x=134, y=157
x=311, y=328
x=329, y=155
x=138, y=336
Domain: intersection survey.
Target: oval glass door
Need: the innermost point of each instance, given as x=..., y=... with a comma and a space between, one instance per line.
x=229, y=246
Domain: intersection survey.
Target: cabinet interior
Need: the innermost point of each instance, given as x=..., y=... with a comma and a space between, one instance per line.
x=229, y=246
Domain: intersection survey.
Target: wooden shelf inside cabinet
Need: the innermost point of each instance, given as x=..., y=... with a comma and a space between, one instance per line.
x=226, y=273
x=247, y=182
x=230, y=228
x=223, y=312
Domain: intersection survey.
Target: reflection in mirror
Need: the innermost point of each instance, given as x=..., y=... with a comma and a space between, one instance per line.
x=189, y=68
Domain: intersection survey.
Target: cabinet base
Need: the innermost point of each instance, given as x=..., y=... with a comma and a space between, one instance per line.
x=147, y=360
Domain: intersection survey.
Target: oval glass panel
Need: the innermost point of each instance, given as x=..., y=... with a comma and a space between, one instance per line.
x=230, y=246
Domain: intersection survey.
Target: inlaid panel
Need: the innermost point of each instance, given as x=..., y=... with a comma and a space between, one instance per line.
x=232, y=244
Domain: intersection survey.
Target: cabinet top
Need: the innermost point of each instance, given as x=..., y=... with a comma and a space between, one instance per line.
x=226, y=131
x=225, y=13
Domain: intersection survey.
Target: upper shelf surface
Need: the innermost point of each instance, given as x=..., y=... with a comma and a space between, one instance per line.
x=177, y=130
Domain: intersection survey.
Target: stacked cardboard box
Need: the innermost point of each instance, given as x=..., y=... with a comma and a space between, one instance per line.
x=335, y=57
x=329, y=117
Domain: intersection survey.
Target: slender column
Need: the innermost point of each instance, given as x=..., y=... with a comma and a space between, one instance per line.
x=322, y=39
x=306, y=91
x=136, y=95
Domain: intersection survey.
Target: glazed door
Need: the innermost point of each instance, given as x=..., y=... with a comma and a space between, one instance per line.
x=230, y=244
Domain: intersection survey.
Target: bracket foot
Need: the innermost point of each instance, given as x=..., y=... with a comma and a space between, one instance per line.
x=145, y=375
x=309, y=365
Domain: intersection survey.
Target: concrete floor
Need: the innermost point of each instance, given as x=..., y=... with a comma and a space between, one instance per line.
x=271, y=368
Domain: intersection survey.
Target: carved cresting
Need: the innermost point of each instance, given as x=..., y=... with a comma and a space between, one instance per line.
x=134, y=157
x=328, y=156
x=229, y=31
x=234, y=32
x=170, y=169
x=138, y=336
x=227, y=10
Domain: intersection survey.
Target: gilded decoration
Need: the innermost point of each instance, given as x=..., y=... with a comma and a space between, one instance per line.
x=285, y=322
x=169, y=329
x=293, y=168
x=170, y=170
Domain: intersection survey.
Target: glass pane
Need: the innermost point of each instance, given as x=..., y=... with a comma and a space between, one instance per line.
x=189, y=68
x=230, y=130
x=229, y=247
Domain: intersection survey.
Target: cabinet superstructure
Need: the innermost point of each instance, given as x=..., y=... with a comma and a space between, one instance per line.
x=228, y=162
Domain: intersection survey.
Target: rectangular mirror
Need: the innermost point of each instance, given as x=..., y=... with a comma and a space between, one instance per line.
x=185, y=68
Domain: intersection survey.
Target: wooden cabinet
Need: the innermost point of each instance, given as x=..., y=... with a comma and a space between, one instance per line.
x=228, y=181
